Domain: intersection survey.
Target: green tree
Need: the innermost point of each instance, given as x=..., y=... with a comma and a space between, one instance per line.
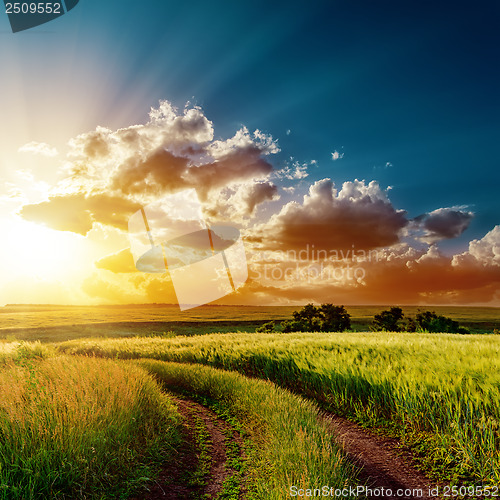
x=326, y=318
x=309, y=316
x=411, y=325
x=388, y=320
x=334, y=318
x=429, y=321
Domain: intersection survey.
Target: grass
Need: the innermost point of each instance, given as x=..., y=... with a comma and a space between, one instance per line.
x=232, y=485
x=204, y=450
x=87, y=427
x=20, y=352
x=124, y=330
x=438, y=392
x=79, y=428
x=290, y=445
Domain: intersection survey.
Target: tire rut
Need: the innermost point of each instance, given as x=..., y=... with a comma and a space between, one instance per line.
x=181, y=478
x=382, y=462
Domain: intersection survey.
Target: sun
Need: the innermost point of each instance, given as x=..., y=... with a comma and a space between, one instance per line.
x=35, y=251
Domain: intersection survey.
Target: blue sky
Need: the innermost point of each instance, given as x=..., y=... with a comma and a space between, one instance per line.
x=407, y=92
x=412, y=84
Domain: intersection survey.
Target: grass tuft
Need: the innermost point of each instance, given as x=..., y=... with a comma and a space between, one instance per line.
x=79, y=428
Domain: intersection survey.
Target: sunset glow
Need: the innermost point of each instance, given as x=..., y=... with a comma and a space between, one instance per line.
x=343, y=148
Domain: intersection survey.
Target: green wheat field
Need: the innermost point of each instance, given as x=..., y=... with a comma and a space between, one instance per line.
x=86, y=408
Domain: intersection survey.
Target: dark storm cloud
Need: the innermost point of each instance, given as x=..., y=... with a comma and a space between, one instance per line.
x=359, y=214
x=443, y=223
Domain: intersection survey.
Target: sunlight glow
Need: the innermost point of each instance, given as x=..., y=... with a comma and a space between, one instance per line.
x=35, y=251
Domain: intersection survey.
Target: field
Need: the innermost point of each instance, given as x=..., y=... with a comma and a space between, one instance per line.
x=123, y=390
x=440, y=391
x=58, y=323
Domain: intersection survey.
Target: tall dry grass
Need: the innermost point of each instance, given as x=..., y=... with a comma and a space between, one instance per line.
x=79, y=428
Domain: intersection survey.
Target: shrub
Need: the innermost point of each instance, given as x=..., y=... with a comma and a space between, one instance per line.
x=266, y=328
x=326, y=318
x=430, y=322
x=411, y=325
x=388, y=320
x=425, y=321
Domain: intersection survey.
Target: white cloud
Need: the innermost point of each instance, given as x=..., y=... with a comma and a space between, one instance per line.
x=484, y=252
x=295, y=171
x=172, y=151
x=39, y=148
x=337, y=156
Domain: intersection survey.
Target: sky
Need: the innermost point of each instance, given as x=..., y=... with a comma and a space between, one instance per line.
x=368, y=127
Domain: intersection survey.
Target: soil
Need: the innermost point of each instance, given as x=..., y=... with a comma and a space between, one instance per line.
x=173, y=481
x=383, y=463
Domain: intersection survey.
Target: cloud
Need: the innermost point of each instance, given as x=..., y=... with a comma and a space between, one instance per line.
x=259, y=193
x=483, y=253
x=359, y=214
x=129, y=288
x=244, y=165
x=400, y=275
x=239, y=202
x=110, y=173
x=172, y=151
x=443, y=223
x=296, y=171
x=487, y=250
x=120, y=262
x=35, y=290
x=159, y=173
x=93, y=144
x=202, y=166
x=434, y=277
x=78, y=212
x=255, y=194
x=111, y=291
x=39, y=148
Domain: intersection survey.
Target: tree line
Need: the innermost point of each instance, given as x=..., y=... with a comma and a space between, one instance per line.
x=331, y=318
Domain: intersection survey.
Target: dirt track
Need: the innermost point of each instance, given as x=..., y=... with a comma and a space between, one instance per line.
x=382, y=462
x=380, y=459
x=176, y=481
